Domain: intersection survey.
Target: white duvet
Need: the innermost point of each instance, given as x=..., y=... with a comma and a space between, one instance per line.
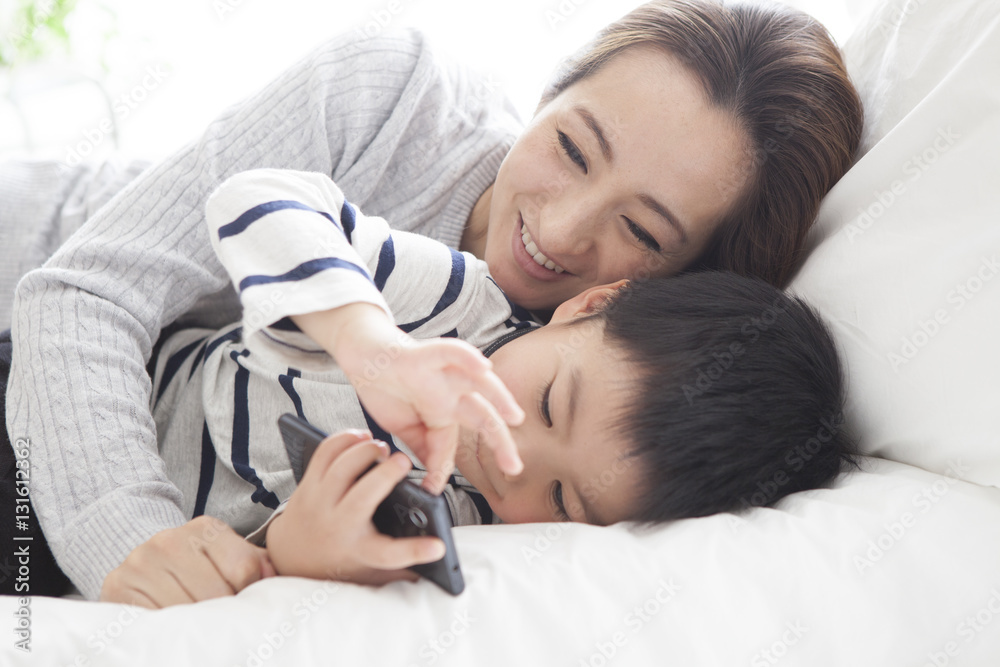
x=896, y=565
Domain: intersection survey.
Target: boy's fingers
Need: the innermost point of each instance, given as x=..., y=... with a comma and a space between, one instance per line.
x=396, y=553
x=452, y=351
x=476, y=413
x=474, y=373
x=235, y=565
x=135, y=598
x=363, y=498
x=381, y=577
x=267, y=568
x=201, y=579
x=332, y=446
x=121, y=586
x=165, y=591
x=495, y=391
x=441, y=444
x=352, y=463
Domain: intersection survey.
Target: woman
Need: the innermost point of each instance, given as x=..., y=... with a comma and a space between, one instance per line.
x=688, y=134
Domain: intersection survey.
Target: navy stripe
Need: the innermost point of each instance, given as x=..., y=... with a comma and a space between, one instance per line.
x=233, y=335
x=515, y=310
x=386, y=263
x=174, y=364
x=286, y=324
x=241, y=435
x=303, y=271
x=347, y=218
x=451, y=334
x=485, y=511
x=278, y=341
x=511, y=324
x=286, y=381
x=257, y=212
x=451, y=292
x=207, y=474
x=197, y=360
x=378, y=432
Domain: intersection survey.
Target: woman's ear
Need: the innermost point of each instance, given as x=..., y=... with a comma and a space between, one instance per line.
x=587, y=302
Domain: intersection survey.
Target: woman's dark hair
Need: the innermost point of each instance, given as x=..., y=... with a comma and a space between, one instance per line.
x=781, y=76
x=740, y=396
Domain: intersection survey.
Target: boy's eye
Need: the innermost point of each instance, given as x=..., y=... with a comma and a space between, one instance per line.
x=642, y=236
x=572, y=151
x=543, y=405
x=557, y=498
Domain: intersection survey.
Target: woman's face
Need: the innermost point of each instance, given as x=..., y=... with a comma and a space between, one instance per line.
x=625, y=174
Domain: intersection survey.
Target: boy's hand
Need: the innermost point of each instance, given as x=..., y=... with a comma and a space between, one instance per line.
x=200, y=560
x=326, y=529
x=420, y=390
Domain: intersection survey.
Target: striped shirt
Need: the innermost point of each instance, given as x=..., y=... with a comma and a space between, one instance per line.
x=292, y=244
x=410, y=136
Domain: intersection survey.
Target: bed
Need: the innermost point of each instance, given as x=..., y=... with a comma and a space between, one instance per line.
x=896, y=564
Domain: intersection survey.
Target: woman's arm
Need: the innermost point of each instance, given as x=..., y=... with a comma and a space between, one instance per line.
x=85, y=323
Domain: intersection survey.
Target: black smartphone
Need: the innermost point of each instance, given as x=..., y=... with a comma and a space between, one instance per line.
x=408, y=511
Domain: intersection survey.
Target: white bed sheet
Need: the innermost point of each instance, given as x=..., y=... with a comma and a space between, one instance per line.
x=835, y=577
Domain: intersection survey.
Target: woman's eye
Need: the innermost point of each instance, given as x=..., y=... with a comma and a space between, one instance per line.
x=543, y=405
x=557, y=498
x=642, y=236
x=571, y=150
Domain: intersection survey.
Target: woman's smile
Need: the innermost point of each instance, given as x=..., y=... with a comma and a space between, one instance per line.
x=527, y=255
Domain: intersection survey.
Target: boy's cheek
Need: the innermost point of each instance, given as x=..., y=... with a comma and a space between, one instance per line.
x=516, y=510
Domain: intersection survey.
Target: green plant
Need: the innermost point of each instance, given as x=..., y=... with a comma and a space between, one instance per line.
x=33, y=29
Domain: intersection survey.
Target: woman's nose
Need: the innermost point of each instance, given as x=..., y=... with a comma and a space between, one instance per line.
x=568, y=226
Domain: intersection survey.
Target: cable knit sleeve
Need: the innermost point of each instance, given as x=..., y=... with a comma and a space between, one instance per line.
x=360, y=111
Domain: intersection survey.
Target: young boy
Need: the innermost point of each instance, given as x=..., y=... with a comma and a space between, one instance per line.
x=645, y=401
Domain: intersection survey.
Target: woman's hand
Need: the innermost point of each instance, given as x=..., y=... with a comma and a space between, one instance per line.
x=200, y=560
x=419, y=390
x=326, y=529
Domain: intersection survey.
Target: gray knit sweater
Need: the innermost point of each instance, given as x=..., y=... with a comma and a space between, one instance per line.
x=406, y=135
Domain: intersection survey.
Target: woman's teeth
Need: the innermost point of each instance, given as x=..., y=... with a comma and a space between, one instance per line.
x=536, y=255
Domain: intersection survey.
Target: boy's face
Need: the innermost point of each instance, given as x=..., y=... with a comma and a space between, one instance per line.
x=572, y=386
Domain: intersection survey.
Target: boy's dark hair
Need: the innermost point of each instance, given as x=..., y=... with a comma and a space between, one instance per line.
x=740, y=401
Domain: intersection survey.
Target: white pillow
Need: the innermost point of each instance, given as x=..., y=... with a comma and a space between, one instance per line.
x=905, y=256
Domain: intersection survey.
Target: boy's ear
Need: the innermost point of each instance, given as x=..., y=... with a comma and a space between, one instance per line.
x=587, y=302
